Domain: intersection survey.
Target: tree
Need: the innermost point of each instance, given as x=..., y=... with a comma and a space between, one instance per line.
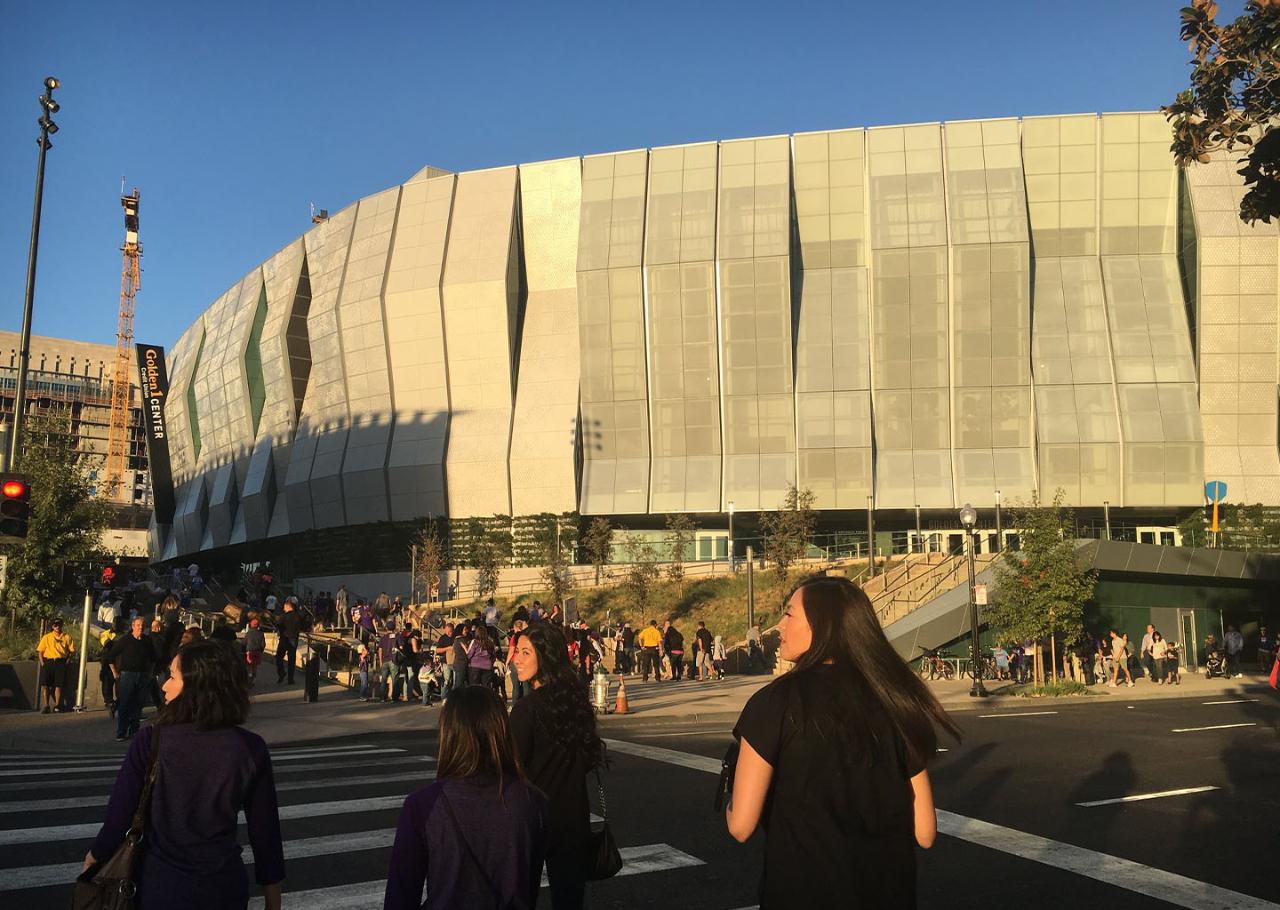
x=680, y=536
x=490, y=547
x=1040, y=590
x=789, y=530
x=599, y=543
x=432, y=559
x=642, y=572
x=1234, y=98
x=553, y=557
x=67, y=522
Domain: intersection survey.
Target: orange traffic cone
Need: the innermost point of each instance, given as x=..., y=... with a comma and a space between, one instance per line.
x=622, y=707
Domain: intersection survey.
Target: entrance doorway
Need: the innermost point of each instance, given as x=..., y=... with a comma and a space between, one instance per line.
x=1190, y=645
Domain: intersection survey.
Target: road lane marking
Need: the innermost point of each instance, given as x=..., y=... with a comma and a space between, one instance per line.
x=1020, y=714
x=368, y=895
x=1233, y=701
x=1214, y=727
x=86, y=769
x=1139, y=797
x=670, y=756
x=688, y=733
x=1112, y=870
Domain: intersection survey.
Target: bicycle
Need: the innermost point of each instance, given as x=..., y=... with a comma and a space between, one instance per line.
x=934, y=667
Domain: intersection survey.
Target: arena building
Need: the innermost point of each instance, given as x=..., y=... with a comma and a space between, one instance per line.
x=906, y=318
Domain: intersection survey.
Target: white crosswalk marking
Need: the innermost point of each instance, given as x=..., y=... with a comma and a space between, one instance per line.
x=76, y=802
x=368, y=895
x=86, y=769
x=362, y=804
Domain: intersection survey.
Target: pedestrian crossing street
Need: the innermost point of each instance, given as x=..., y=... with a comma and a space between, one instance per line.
x=338, y=828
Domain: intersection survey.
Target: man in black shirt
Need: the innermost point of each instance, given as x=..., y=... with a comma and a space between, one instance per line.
x=673, y=645
x=132, y=658
x=703, y=641
x=288, y=629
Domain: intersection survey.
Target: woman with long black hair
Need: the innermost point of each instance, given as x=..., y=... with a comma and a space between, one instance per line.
x=833, y=758
x=555, y=734
x=209, y=770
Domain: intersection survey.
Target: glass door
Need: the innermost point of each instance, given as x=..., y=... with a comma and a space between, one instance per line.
x=1190, y=643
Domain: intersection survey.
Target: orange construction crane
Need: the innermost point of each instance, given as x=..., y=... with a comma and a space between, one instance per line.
x=130, y=281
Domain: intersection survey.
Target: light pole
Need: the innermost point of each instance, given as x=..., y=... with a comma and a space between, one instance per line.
x=732, y=563
x=1106, y=520
x=48, y=107
x=871, y=537
x=969, y=519
x=919, y=535
x=999, y=540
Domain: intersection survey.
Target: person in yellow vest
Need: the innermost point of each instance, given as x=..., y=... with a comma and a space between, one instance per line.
x=650, y=640
x=53, y=650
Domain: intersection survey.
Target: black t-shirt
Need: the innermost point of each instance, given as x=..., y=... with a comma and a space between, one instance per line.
x=839, y=819
x=133, y=655
x=289, y=625
x=705, y=640
x=560, y=773
x=672, y=640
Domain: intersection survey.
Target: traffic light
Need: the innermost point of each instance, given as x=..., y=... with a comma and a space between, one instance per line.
x=15, y=507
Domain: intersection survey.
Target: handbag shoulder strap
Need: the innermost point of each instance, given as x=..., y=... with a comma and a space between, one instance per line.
x=466, y=847
x=604, y=808
x=153, y=765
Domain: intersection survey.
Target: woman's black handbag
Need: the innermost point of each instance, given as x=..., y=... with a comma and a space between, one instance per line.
x=603, y=858
x=728, y=767
x=110, y=884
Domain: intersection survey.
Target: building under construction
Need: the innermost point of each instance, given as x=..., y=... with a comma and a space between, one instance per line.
x=74, y=379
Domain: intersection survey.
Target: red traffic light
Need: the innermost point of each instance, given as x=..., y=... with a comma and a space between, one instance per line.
x=15, y=489
x=15, y=507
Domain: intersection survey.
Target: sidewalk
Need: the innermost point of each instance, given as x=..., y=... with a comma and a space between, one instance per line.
x=281, y=717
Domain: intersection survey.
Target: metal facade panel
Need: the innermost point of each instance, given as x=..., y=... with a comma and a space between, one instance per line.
x=317, y=502
x=480, y=297
x=544, y=428
x=753, y=271
x=415, y=328
x=833, y=343
x=682, y=330
x=366, y=363
x=910, y=325
x=1235, y=267
x=613, y=385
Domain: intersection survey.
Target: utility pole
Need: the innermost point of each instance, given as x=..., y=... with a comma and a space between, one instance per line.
x=47, y=128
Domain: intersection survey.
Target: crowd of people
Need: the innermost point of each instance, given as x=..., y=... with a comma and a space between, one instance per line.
x=846, y=734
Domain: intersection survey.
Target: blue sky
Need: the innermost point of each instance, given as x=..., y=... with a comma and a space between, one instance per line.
x=233, y=117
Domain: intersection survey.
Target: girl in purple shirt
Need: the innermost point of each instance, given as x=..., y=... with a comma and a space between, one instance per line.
x=209, y=769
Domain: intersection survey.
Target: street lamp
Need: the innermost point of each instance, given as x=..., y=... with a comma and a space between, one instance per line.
x=732, y=563
x=969, y=520
x=919, y=536
x=48, y=107
x=1106, y=520
x=871, y=537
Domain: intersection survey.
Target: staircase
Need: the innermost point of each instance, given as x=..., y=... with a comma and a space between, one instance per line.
x=915, y=584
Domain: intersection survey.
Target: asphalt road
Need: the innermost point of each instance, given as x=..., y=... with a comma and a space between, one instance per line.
x=1023, y=775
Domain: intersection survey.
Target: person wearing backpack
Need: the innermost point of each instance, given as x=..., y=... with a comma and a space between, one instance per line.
x=477, y=835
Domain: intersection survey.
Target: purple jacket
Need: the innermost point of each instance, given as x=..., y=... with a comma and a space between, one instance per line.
x=205, y=779
x=505, y=830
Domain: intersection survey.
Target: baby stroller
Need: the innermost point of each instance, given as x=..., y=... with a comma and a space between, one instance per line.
x=1216, y=665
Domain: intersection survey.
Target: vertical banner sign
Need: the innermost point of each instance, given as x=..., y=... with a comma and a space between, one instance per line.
x=1215, y=491
x=154, y=382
